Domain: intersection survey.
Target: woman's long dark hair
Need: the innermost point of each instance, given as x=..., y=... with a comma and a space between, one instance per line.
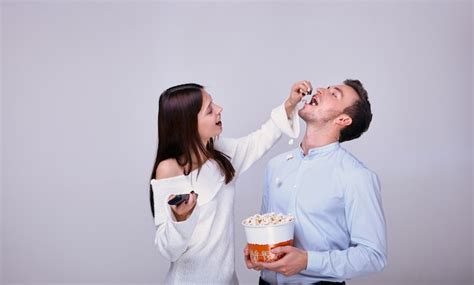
x=178, y=135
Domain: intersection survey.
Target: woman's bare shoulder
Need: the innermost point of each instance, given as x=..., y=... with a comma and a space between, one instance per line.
x=168, y=168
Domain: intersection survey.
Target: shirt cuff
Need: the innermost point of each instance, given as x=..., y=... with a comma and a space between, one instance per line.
x=184, y=228
x=316, y=261
x=290, y=127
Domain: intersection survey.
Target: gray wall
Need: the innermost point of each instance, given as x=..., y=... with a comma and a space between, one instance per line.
x=1, y=144
x=472, y=133
x=80, y=84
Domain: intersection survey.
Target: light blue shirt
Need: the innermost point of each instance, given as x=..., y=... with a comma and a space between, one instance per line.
x=337, y=204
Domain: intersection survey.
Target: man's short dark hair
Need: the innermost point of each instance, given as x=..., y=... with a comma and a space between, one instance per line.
x=359, y=112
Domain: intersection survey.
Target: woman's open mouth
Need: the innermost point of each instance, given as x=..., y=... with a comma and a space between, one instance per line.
x=219, y=124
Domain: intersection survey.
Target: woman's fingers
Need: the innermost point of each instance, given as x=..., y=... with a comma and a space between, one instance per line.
x=183, y=210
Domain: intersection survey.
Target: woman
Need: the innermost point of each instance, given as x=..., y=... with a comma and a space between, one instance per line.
x=197, y=235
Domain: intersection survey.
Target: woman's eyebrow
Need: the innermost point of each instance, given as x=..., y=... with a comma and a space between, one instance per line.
x=209, y=105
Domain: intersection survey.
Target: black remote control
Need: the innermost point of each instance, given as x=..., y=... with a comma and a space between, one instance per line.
x=178, y=199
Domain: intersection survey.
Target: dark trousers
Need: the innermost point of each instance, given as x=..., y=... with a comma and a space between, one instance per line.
x=263, y=282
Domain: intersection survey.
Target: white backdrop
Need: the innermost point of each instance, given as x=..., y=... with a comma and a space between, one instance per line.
x=80, y=86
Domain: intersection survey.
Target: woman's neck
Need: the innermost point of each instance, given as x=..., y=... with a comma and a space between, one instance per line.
x=188, y=167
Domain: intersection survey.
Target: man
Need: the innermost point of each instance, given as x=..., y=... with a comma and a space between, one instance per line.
x=340, y=226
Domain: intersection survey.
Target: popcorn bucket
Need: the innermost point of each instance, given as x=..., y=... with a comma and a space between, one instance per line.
x=261, y=239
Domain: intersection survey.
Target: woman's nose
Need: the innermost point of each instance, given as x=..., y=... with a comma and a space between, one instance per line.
x=219, y=109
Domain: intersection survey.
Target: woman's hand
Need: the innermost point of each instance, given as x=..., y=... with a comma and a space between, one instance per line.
x=298, y=90
x=184, y=210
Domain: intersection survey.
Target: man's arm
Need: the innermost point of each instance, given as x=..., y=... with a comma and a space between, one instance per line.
x=366, y=224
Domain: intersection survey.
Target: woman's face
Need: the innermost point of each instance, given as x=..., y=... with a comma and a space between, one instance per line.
x=209, y=118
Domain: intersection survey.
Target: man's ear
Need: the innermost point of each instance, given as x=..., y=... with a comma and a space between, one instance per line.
x=343, y=120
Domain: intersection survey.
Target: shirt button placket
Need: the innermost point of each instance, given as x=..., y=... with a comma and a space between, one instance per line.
x=294, y=190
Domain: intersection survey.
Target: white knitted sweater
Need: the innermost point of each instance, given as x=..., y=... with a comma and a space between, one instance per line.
x=201, y=248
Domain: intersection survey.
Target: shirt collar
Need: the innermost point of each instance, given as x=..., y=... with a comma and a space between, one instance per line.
x=318, y=151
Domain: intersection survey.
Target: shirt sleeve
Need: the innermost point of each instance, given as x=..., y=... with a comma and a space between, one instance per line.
x=172, y=237
x=248, y=149
x=366, y=224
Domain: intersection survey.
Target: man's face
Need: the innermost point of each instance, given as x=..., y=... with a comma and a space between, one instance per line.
x=328, y=104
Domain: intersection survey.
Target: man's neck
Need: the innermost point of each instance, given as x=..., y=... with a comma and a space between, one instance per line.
x=317, y=137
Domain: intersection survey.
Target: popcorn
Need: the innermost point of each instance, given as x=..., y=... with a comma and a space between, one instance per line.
x=268, y=219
